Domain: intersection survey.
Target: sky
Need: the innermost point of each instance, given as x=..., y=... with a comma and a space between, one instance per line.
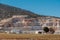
x=41, y=7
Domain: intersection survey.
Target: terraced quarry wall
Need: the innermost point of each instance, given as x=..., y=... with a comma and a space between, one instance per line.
x=29, y=37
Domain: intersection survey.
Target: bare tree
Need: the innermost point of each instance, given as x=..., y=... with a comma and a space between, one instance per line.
x=51, y=30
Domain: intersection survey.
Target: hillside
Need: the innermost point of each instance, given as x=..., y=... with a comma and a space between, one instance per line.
x=7, y=11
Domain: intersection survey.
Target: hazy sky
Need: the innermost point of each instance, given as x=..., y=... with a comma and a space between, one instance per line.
x=43, y=7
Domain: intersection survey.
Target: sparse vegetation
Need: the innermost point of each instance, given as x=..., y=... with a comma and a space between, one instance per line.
x=30, y=36
x=51, y=30
x=46, y=29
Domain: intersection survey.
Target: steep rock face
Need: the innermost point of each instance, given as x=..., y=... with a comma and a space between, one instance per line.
x=7, y=11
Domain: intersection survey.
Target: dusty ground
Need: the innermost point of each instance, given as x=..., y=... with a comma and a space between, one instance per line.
x=4, y=36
